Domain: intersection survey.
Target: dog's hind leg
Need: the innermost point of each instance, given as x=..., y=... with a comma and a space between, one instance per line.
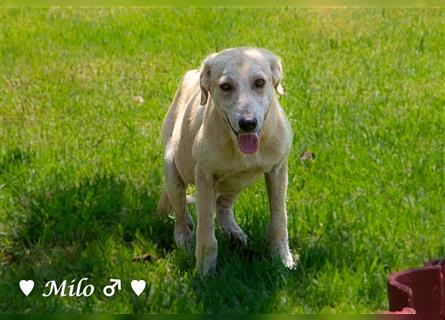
x=226, y=218
x=176, y=191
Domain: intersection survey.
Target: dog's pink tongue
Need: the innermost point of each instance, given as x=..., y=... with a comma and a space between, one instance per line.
x=248, y=142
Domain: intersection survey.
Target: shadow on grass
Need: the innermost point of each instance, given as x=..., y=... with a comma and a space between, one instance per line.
x=64, y=232
x=75, y=230
x=88, y=211
x=54, y=227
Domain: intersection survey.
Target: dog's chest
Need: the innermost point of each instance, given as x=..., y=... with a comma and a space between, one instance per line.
x=235, y=181
x=238, y=174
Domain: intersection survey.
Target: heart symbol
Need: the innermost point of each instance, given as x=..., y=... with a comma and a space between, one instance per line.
x=138, y=286
x=26, y=286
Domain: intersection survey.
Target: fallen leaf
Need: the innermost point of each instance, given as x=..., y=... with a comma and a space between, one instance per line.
x=139, y=100
x=307, y=155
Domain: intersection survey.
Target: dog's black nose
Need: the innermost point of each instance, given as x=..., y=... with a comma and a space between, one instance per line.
x=248, y=124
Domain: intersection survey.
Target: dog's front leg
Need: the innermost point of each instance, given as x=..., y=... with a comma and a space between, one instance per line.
x=206, y=244
x=276, y=183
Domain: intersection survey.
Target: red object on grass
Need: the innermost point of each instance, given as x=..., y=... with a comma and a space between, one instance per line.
x=421, y=290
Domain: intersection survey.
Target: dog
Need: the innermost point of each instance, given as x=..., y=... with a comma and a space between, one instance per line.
x=224, y=129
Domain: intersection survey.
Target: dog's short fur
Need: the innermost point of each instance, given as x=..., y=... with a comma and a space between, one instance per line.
x=207, y=145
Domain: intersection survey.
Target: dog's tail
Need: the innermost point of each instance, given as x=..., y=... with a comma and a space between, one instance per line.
x=165, y=206
x=190, y=199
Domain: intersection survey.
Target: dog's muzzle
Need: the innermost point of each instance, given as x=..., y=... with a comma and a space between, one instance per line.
x=248, y=142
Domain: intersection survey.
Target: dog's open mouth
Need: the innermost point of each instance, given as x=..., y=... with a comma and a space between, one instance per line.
x=248, y=142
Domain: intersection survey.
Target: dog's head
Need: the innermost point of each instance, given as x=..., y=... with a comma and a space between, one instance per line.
x=241, y=83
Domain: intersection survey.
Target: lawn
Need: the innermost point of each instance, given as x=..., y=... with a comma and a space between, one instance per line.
x=81, y=157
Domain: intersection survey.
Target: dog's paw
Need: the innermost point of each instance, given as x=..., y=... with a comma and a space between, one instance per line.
x=232, y=229
x=237, y=235
x=282, y=251
x=206, y=265
x=288, y=261
x=183, y=237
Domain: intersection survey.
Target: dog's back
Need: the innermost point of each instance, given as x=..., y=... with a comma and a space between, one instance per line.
x=188, y=88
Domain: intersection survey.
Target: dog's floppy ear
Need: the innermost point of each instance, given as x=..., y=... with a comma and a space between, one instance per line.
x=277, y=72
x=204, y=79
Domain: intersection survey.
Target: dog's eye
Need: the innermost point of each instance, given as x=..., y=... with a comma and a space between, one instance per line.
x=226, y=87
x=259, y=83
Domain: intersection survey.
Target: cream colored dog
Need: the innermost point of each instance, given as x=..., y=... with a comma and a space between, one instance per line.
x=224, y=129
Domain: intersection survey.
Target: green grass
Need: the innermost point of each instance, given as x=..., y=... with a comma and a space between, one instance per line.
x=81, y=161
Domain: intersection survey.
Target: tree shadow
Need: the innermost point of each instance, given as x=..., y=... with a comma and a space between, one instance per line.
x=75, y=230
